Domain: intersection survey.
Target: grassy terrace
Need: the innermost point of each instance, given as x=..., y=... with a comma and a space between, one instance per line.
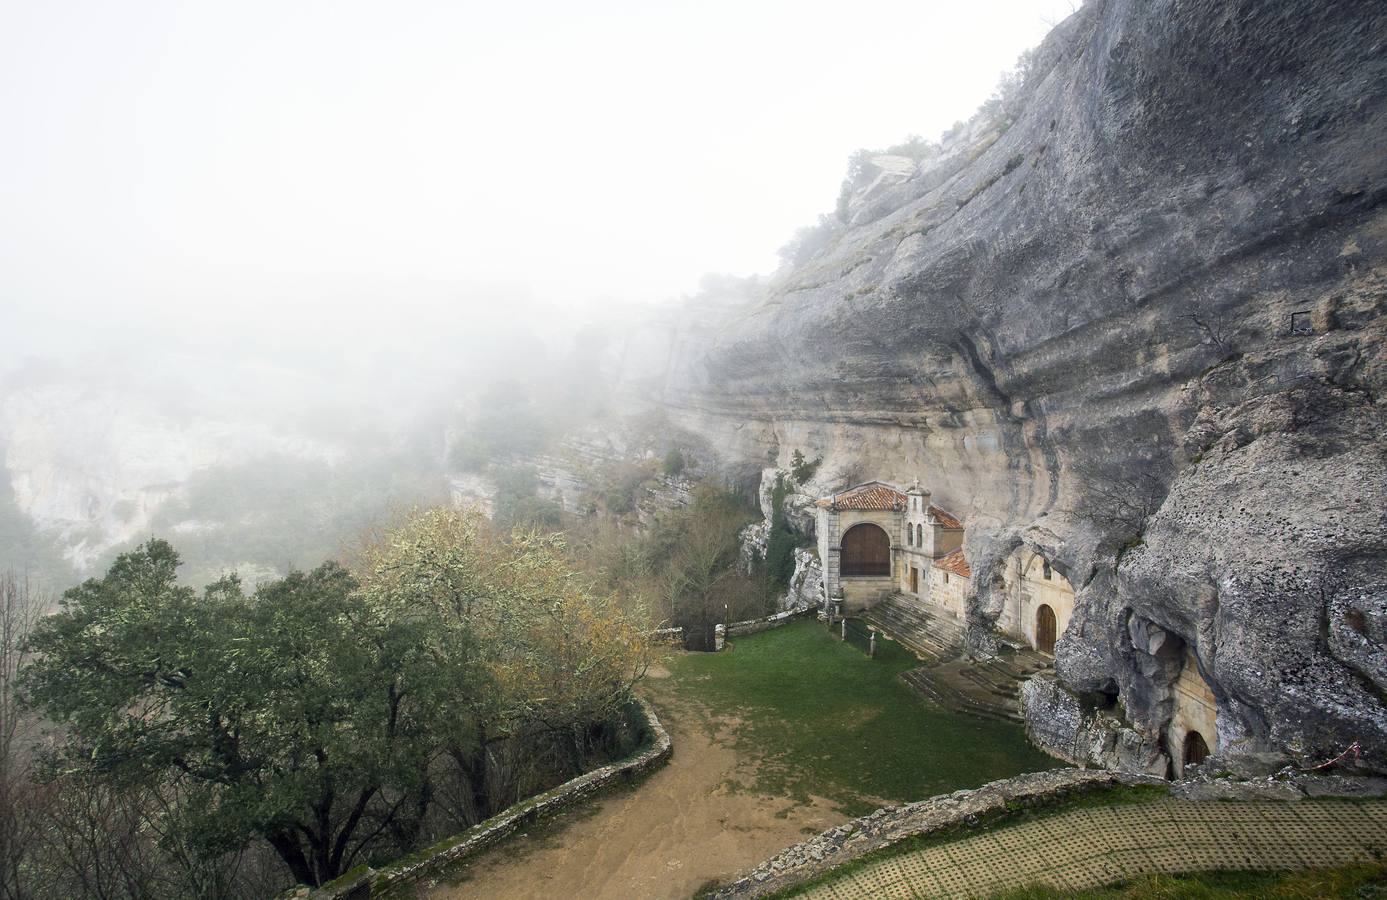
x=828, y=721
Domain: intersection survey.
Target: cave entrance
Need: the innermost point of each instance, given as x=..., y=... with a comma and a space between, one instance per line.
x=866, y=552
x=1045, y=629
x=1196, y=751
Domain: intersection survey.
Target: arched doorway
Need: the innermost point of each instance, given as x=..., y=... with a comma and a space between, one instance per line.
x=1045, y=629
x=1196, y=751
x=866, y=552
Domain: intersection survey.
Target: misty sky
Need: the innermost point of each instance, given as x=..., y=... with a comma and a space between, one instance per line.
x=206, y=169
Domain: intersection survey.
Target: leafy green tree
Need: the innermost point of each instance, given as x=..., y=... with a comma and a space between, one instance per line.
x=287, y=715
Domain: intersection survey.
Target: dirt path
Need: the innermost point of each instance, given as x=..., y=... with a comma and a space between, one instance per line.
x=682, y=827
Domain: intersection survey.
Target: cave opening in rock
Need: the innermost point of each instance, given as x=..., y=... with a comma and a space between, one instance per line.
x=1196, y=751
x=1045, y=629
x=866, y=552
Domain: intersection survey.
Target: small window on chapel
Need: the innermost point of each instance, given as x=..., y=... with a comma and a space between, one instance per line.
x=1046, y=569
x=946, y=577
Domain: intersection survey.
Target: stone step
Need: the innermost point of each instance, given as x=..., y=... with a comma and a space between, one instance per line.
x=990, y=689
x=926, y=682
x=933, y=636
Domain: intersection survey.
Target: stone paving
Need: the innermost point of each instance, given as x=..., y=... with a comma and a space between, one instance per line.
x=1090, y=847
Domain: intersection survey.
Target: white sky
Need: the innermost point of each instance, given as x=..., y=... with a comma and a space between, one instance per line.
x=212, y=167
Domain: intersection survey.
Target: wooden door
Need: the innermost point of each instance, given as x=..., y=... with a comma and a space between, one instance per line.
x=1196, y=751
x=1045, y=629
x=866, y=552
x=914, y=580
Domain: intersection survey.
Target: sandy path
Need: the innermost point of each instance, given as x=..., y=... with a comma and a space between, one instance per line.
x=681, y=827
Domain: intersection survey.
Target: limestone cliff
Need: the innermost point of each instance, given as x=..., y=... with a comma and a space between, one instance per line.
x=1138, y=328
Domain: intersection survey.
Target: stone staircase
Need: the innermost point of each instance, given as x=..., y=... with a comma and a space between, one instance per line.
x=990, y=689
x=930, y=633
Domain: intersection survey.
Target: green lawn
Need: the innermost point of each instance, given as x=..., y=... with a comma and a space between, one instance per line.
x=831, y=722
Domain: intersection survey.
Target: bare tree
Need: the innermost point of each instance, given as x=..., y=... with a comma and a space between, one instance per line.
x=1214, y=328
x=20, y=608
x=1121, y=497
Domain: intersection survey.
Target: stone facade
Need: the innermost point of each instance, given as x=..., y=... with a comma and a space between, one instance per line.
x=1031, y=582
x=1196, y=711
x=949, y=581
x=918, y=534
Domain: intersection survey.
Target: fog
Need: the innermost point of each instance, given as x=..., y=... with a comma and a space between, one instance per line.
x=183, y=171
x=334, y=220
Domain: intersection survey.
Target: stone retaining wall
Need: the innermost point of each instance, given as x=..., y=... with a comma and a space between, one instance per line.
x=887, y=826
x=363, y=883
x=801, y=862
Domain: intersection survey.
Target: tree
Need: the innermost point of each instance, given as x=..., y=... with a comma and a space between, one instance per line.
x=559, y=659
x=674, y=462
x=285, y=715
x=801, y=469
x=20, y=608
x=781, y=539
x=325, y=714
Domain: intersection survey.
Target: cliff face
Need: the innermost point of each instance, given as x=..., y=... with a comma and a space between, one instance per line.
x=1140, y=330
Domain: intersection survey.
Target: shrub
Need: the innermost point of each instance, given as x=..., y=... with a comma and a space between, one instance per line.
x=801, y=469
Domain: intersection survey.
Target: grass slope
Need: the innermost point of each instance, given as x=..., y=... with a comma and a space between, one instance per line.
x=831, y=722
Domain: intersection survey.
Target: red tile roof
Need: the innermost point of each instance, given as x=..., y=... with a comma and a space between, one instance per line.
x=872, y=495
x=954, y=562
x=944, y=518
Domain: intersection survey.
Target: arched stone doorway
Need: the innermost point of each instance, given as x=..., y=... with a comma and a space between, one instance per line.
x=1045, y=629
x=1196, y=751
x=866, y=552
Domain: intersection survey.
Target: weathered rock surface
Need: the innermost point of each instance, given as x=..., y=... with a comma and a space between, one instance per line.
x=1139, y=329
x=806, y=583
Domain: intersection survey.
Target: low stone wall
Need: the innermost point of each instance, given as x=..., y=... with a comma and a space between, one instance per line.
x=985, y=805
x=751, y=626
x=363, y=883
x=668, y=635
x=801, y=862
